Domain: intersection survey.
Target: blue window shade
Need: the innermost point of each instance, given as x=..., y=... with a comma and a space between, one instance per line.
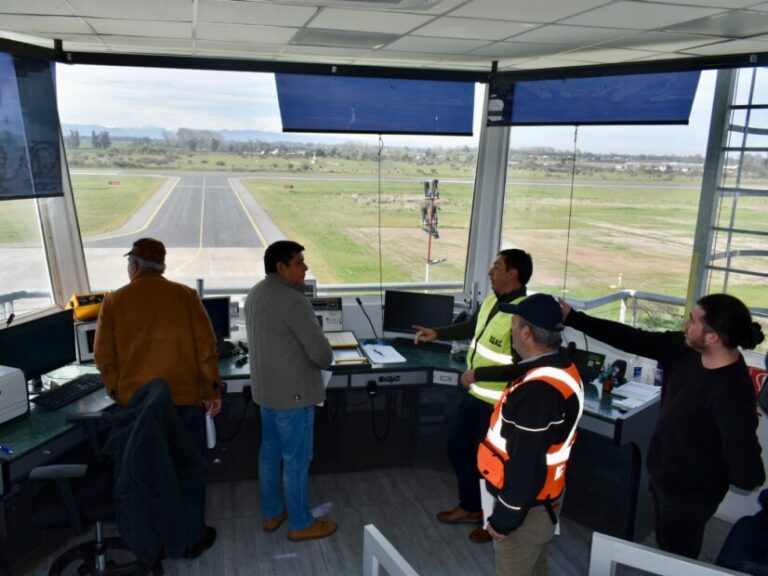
x=663, y=98
x=310, y=103
x=30, y=155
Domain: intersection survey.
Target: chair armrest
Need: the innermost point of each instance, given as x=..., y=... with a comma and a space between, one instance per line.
x=57, y=471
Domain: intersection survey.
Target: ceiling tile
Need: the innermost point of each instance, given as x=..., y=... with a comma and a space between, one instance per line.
x=435, y=45
x=640, y=15
x=733, y=24
x=526, y=10
x=711, y=3
x=573, y=35
x=543, y=63
x=520, y=50
x=328, y=51
x=45, y=7
x=661, y=41
x=116, y=42
x=178, y=10
x=244, y=33
x=28, y=39
x=450, y=27
x=225, y=11
x=762, y=7
x=258, y=50
x=141, y=28
x=730, y=47
x=42, y=24
x=368, y=21
x=341, y=38
x=603, y=55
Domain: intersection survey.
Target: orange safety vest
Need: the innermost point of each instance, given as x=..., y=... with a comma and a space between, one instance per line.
x=492, y=454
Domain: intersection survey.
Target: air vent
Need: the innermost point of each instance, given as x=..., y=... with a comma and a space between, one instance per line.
x=370, y=4
x=341, y=38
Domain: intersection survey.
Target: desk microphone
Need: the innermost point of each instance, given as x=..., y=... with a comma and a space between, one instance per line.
x=360, y=303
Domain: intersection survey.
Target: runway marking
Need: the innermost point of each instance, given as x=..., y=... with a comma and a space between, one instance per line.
x=151, y=216
x=247, y=213
x=200, y=240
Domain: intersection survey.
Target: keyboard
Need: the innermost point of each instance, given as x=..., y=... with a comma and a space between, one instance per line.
x=69, y=391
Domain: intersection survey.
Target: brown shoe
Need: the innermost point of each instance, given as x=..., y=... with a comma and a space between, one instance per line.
x=460, y=516
x=480, y=535
x=272, y=524
x=318, y=529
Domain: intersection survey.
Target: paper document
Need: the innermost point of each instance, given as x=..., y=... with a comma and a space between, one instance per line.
x=637, y=391
x=382, y=354
x=341, y=339
x=346, y=356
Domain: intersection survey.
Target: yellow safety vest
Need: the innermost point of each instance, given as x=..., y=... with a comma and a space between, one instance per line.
x=491, y=346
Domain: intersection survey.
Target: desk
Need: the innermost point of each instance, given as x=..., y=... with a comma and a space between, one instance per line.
x=607, y=477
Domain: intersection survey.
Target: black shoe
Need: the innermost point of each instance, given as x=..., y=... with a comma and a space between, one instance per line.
x=202, y=545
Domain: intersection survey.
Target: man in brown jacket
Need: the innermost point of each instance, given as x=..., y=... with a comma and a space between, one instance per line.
x=155, y=328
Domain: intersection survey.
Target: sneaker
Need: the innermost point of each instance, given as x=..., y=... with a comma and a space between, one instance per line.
x=318, y=529
x=480, y=535
x=272, y=524
x=195, y=550
x=460, y=516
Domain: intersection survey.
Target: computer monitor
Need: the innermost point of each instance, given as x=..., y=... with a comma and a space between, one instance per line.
x=85, y=335
x=404, y=309
x=218, y=311
x=38, y=346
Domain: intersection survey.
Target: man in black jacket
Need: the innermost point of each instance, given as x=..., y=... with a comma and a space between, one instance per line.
x=705, y=438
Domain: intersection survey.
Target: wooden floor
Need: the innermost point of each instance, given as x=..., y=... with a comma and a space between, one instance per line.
x=400, y=502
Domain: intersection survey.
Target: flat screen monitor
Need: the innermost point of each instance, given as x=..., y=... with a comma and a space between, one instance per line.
x=404, y=309
x=218, y=311
x=85, y=335
x=40, y=345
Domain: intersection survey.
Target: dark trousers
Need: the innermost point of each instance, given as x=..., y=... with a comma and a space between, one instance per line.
x=473, y=417
x=193, y=487
x=679, y=527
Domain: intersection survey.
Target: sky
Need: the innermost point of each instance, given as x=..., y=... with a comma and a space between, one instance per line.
x=213, y=100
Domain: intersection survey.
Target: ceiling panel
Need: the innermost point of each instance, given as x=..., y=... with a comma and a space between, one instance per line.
x=526, y=10
x=226, y=11
x=244, y=33
x=731, y=47
x=146, y=28
x=48, y=7
x=134, y=9
x=368, y=21
x=44, y=24
x=571, y=35
x=640, y=15
x=734, y=24
x=472, y=28
x=662, y=41
x=520, y=50
x=436, y=45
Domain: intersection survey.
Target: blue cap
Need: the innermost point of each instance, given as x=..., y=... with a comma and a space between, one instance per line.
x=541, y=310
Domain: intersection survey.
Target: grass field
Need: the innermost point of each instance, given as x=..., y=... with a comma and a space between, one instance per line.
x=624, y=233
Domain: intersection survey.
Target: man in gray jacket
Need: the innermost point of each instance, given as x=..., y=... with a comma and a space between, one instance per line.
x=287, y=350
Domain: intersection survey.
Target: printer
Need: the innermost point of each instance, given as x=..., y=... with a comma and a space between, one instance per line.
x=14, y=402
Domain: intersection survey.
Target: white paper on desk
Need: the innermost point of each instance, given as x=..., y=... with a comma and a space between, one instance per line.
x=382, y=354
x=636, y=391
x=487, y=501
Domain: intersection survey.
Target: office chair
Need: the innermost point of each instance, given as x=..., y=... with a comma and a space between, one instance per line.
x=78, y=496
x=135, y=483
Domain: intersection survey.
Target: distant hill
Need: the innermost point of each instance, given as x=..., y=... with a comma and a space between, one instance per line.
x=157, y=133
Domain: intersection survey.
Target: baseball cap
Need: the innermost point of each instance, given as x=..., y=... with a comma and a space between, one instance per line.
x=541, y=310
x=148, y=249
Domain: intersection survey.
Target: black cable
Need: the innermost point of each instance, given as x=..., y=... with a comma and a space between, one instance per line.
x=381, y=267
x=570, y=210
x=388, y=421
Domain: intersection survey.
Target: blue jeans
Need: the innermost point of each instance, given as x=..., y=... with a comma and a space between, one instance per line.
x=286, y=437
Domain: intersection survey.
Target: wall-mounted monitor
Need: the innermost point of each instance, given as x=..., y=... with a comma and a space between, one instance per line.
x=218, y=311
x=40, y=345
x=404, y=309
x=85, y=334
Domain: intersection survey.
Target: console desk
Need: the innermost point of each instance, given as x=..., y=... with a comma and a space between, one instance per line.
x=387, y=415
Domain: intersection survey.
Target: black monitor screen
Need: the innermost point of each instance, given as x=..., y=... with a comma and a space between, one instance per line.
x=404, y=309
x=218, y=311
x=39, y=346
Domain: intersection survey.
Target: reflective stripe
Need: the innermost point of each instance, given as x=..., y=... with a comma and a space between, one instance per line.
x=494, y=395
x=495, y=357
x=501, y=501
x=561, y=455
